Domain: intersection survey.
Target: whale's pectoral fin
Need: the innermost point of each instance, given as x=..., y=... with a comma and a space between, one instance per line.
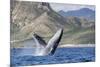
x=39, y=41
x=54, y=41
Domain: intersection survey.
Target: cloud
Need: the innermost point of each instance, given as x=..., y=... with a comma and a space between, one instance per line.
x=69, y=7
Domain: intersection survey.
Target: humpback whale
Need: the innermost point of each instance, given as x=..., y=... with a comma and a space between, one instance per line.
x=43, y=48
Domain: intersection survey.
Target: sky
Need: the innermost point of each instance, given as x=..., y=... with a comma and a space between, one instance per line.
x=69, y=7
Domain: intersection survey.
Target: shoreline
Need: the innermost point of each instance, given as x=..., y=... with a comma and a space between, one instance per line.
x=82, y=45
x=66, y=46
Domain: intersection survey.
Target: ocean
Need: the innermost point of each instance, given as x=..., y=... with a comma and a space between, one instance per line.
x=24, y=56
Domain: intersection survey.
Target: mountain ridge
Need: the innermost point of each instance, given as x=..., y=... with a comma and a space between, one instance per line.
x=83, y=12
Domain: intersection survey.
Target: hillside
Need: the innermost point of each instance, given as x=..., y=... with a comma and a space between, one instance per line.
x=38, y=17
x=30, y=17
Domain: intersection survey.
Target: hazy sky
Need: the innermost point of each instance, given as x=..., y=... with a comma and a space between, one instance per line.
x=69, y=7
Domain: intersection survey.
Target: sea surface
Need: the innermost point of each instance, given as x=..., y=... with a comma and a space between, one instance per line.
x=24, y=56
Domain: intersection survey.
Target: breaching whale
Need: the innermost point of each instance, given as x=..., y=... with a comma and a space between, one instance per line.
x=43, y=48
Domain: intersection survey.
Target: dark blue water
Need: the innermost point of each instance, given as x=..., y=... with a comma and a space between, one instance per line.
x=24, y=57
